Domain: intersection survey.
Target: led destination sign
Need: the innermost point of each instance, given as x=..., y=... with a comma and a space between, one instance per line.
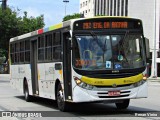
x=104, y=25
x=93, y=24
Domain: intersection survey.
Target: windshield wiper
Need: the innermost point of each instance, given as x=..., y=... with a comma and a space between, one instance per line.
x=124, y=39
x=96, y=39
x=102, y=46
x=94, y=36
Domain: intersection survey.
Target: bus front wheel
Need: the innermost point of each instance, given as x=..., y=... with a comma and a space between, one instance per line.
x=123, y=105
x=62, y=104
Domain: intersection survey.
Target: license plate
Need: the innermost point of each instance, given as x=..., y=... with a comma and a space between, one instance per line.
x=114, y=93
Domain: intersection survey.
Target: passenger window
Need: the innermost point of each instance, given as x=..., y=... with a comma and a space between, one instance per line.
x=27, y=51
x=48, y=47
x=12, y=48
x=22, y=51
x=41, y=48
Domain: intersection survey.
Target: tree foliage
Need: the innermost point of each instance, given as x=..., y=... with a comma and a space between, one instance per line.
x=12, y=25
x=68, y=17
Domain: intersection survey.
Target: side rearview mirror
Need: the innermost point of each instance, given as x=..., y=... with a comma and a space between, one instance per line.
x=58, y=66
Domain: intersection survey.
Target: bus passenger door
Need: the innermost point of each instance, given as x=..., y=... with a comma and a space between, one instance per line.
x=34, y=71
x=67, y=65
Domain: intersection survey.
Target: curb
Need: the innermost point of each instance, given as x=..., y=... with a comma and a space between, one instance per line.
x=4, y=75
x=154, y=79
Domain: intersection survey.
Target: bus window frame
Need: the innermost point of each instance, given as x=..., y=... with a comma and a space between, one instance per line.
x=47, y=46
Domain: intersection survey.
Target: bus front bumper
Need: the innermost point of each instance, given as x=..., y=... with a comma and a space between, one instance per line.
x=84, y=95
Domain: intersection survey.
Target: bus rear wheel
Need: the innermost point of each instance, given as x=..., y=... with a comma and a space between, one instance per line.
x=62, y=104
x=26, y=93
x=123, y=105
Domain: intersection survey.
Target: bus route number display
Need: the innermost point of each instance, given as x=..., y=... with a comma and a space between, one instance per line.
x=105, y=25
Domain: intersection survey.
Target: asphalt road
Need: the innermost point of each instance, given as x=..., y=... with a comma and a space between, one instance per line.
x=13, y=101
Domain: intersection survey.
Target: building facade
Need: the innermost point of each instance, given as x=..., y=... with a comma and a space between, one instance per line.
x=147, y=10
x=87, y=8
x=92, y=8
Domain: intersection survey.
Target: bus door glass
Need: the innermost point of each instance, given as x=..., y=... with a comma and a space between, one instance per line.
x=67, y=64
x=34, y=71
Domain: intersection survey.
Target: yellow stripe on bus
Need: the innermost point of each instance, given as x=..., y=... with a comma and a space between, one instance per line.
x=110, y=82
x=55, y=26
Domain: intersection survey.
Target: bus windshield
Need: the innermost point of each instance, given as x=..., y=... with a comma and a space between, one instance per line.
x=108, y=52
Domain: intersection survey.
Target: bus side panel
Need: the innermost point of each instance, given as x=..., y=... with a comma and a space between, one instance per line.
x=143, y=91
x=51, y=76
x=15, y=77
x=21, y=72
x=41, y=79
x=48, y=79
x=12, y=82
x=46, y=84
x=18, y=73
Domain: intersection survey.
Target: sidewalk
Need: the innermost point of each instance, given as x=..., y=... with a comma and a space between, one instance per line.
x=5, y=77
x=157, y=79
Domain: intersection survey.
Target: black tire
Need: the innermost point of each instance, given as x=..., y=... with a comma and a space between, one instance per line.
x=123, y=105
x=62, y=105
x=28, y=98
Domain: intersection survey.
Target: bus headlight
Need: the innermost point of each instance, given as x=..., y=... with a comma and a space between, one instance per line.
x=82, y=84
x=144, y=77
x=139, y=83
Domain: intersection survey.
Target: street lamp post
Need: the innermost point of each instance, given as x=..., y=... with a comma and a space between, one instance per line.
x=155, y=51
x=65, y=1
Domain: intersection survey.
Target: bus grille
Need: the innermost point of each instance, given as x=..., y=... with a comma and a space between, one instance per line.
x=105, y=94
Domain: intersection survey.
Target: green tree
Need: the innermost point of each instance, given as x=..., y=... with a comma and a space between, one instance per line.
x=12, y=25
x=75, y=15
x=28, y=24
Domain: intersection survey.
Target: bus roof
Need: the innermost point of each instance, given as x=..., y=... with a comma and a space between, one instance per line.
x=57, y=26
x=41, y=31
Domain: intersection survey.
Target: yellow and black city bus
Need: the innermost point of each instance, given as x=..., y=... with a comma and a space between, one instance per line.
x=82, y=60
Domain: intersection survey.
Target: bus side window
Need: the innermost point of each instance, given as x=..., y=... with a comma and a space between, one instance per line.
x=27, y=51
x=57, y=53
x=22, y=50
x=48, y=47
x=17, y=52
x=12, y=47
x=56, y=47
x=41, y=48
x=57, y=40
